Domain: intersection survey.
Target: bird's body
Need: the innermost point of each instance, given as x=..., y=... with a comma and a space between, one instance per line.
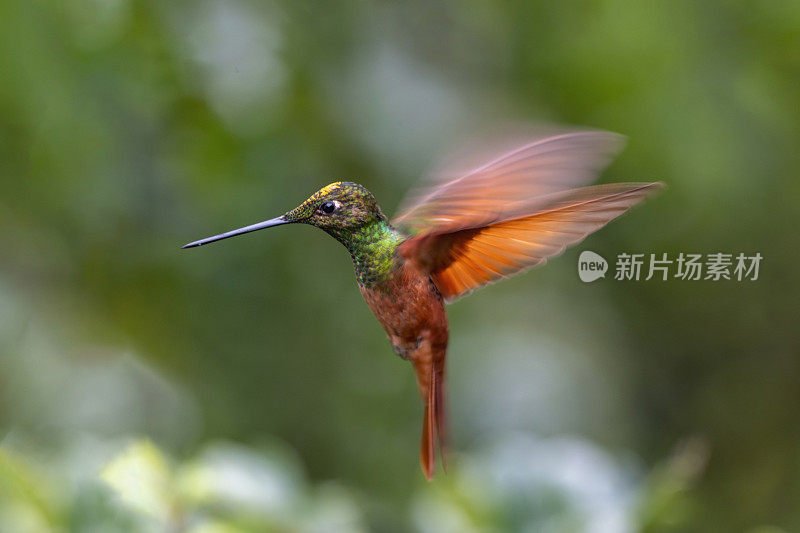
x=405, y=300
x=468, y=230
x=411, y=310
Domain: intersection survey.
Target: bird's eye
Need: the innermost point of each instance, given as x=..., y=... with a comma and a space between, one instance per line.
x=329, y=207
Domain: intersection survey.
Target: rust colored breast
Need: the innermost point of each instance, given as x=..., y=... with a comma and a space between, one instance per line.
x=410, y=309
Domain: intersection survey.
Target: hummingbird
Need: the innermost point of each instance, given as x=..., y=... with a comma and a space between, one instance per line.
x=460, y=232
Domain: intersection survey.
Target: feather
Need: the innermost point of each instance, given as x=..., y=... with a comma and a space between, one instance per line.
x=464, y=260
x=426, y=452
x=515, y=183
x=429, y=367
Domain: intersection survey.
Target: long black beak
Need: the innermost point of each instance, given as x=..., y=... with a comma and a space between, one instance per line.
x=247, y=229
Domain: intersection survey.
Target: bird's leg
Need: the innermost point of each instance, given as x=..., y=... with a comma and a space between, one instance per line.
x=404, y=349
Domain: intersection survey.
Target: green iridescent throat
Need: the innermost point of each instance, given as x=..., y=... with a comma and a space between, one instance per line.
x=373, y=248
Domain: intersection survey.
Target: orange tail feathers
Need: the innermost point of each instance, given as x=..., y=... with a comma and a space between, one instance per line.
x=440, y=411
x=434, y=419
x=427, y=455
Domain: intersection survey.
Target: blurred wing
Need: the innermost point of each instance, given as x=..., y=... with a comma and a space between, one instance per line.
x=464, y=260
x=509, y=185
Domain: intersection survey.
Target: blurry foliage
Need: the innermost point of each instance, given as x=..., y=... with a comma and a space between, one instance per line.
x=129, y=127
x=224, y=489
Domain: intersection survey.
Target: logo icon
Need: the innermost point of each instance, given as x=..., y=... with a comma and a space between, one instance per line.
x=591, y=266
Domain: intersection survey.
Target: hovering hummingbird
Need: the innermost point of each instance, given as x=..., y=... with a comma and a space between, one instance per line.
x=459, y=233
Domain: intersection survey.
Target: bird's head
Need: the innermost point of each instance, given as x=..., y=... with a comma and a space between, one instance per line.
x=338, y=208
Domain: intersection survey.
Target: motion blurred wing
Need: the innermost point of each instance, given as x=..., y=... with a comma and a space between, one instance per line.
x=510, y=185
x=464, y=260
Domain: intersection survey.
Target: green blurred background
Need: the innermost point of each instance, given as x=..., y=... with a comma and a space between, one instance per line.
x=246, y=386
